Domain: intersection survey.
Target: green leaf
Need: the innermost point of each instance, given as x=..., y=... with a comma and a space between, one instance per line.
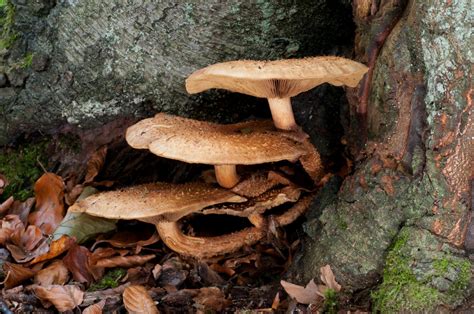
x=83, y=226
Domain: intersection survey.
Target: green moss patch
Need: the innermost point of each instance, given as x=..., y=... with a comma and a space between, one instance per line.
x=418, y=275
x=7, y=16
x=110, y=280
x=22, y=168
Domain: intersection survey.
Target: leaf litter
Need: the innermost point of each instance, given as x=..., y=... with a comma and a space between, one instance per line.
x=69, y=261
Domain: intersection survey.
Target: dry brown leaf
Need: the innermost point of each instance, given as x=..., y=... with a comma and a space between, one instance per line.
x=276, y=301
x=327, y=277
x=156, y=271
x=15, y=274
x=49, y=209
x=98, y=254
x=95, y=164
x=77, y=261
x=6, y=205
x=8, y=225
x=210, y=299
x=64, y=298
x=27, y=244
x=54, y=274
x=22, y=209
x=129, y=239
x=137, y=300
x=56, y=248
x=124, y=261
x=73, y=194
x=303, y=295
x=3, y=183
x=94, y=308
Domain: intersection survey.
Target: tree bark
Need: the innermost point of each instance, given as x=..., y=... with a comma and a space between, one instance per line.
x=405, y=210
x=94, y=61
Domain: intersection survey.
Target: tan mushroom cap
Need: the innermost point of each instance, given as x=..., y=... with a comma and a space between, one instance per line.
x=202, y=142
x=276, y=79
x=149, y=200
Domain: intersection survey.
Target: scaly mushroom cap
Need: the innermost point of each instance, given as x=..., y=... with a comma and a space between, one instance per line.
x=192, y=141
x=149, y=200
x=276, y=79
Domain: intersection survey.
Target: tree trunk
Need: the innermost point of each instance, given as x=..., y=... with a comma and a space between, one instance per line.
x=88, y=62
x=400, y=220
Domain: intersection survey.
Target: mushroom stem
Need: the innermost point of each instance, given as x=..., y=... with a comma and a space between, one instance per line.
x=282, y=113
x=226, y=175
x=175, y=239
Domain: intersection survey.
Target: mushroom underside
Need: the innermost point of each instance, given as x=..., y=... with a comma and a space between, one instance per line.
x=208, y=247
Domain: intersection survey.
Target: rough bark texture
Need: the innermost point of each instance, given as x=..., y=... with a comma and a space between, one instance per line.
x=400, y=219
x=94, y=61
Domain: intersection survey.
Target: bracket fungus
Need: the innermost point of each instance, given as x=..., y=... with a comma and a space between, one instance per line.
x=224, y=146
x=165, y=204
x=172, y=201
x=277, y=81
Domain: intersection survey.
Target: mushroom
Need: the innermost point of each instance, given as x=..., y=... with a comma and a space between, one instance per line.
x=172, y=201
x=209, y=247
x=277, y=80
x=223, y=146
x=164, y=204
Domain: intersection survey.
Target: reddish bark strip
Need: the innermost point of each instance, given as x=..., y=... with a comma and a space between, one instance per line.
x=383, y=29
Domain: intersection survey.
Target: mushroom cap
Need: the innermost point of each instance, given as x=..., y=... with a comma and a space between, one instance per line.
x=193, y=141
x=276, y=79
x=149, y=200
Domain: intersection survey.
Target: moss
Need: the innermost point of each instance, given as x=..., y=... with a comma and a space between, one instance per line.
x=7, y=15
x=400, y=290
x=462, y=268
x=110, y=280
x=22, y=168
x=341, y=222
x=331, y=304
x=27, y=60
x=420, y=276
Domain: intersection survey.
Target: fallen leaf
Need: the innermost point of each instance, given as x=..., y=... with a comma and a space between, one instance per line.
x=95, y=164
x=137, y=300
x=54, y=274
x=64, y=298
x=72, y=195
x=26, y=244
x=3, y=183
x=124, y=261
x=49, y=209
x=94, y=308
x=131, y=239
x=303, y=295
x=77, y=262
x=138, y=275
x=210, y=299
x=6, y=205
x=156, y=271
x=22, y=209
x=15, y=274
x=207, y=275
x=8, y=225
x=98, y=254
x=173, y=273
x=276, y=302
x=56, y=248
x=327, y=277
x=83, y=227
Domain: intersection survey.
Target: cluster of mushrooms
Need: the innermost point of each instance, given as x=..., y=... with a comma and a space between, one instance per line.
x=236, y=188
